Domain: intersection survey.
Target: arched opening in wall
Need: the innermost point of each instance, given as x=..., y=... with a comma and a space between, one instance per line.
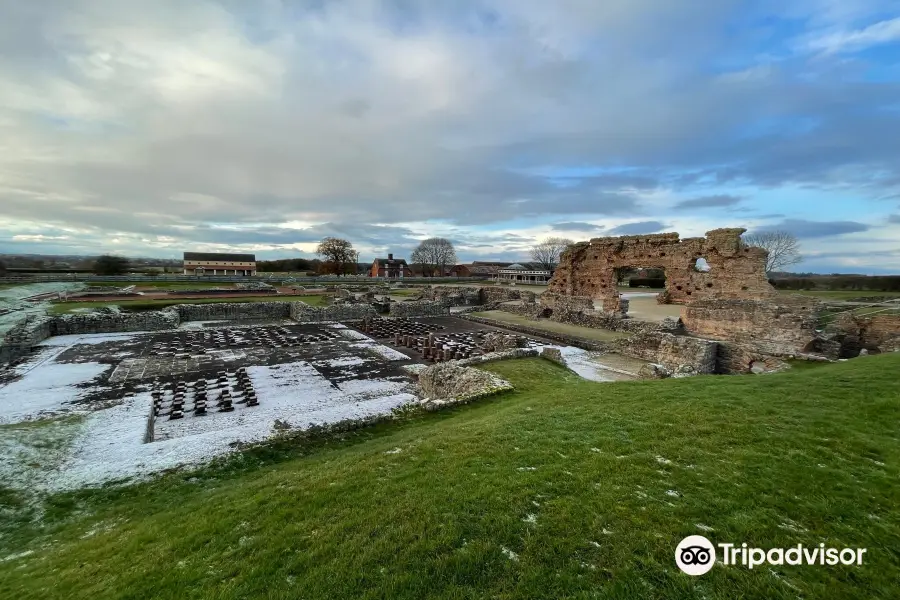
x=546, y=313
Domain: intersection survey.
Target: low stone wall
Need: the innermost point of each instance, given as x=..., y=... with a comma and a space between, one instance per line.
x=735, y=359
x=454, y=295
x=567, y=340
x=878, y=333
x=530, y=310
x=505, y=294
x=19, y=340
x=672, y=351
x=114, y=322
x=304, y=313
x=777, y=328
x=579, y=310
x=234, y=311
x=419, y=308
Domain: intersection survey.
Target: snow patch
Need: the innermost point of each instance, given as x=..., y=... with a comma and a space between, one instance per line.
x=50, y=390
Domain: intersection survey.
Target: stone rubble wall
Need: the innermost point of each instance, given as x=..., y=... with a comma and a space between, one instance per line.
x=304, y=313
x=579, y=310
x=785, y=327
x=114, y=322
x=876, y=333
x=505, y=294
x=735, y=271
x=234, y=311
x=475, y=296
x=451, y=383
x=19, y=340
x=561, y=338
x=419, y=308
x=672, y=351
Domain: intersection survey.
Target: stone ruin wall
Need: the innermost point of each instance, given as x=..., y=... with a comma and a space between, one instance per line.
x=672, y=351
x=735, y=271
x=782, y=328
x=876, y=333
x=234, y=311
x=304, y=313
x=422, y=308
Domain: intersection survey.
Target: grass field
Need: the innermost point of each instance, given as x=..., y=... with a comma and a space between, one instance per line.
x=59, y=308
x=564, y=328
x=563, y=488
x=174, y=285
x=842, y=294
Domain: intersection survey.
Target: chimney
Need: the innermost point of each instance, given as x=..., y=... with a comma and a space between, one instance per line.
x=390, y=257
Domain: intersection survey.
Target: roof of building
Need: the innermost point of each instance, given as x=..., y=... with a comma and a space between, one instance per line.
x=394, y=262
x=219, y=256
x=489, y=263
x=516, y=267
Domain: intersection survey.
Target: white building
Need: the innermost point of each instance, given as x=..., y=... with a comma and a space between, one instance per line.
x=517, y=273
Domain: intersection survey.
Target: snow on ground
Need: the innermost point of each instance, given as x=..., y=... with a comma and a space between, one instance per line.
x=89, y=340
x=584, y=363
x=366, y=343
x=46, y=390
x=111, y=444
x=14, y=299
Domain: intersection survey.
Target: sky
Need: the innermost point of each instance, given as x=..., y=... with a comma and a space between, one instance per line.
x=153, y=128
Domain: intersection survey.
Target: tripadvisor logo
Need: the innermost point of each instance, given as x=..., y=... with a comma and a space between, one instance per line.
x=696, y=555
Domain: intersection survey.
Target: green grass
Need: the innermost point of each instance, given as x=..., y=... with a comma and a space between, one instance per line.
x=843, y=294
x=59, y=308
x=570, y=475
x=174, y=285
x=552, y=326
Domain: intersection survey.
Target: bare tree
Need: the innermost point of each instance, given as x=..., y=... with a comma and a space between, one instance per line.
x=337, y=253
x=547, y=252
x=434, y=254
x=783, y=248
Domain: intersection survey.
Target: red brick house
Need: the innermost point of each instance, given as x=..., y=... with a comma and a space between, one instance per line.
x=390, y=268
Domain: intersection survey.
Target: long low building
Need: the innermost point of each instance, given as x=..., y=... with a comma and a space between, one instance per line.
x=216, y=263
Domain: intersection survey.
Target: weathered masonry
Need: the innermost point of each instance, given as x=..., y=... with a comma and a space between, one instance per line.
x=731, y=270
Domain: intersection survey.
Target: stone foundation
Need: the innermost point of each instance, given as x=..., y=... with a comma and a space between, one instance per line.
x=420, y=308
x=786, y=327
x=561, y=338
x=878, y=333
x=672, y=351
x=304, y=313
x=234, y=311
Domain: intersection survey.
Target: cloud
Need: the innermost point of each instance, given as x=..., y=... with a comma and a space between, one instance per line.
x=708, y=202
x=168, y=126
x=816, y=229
x=883, y=32
x=576, y=226
x=638, y=228
x=894, y=218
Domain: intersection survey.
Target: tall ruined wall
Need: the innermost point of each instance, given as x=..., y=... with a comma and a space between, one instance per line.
x=735, y=270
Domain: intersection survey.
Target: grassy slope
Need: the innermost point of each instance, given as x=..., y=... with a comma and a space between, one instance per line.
x=65, y=307
x=776, y=460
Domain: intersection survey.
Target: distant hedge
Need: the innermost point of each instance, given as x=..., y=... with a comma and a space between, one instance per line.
x=880, y=283
x=646, y=282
